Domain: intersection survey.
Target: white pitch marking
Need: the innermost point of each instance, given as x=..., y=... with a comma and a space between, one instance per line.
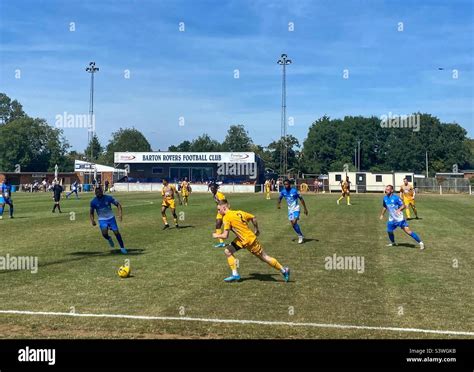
x=236, y=321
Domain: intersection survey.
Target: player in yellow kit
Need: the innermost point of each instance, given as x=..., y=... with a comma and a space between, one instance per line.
x=268, y=189
x=238, y=222
x=185, y=189
x=407, y=194
x=304, y=187
x=169, y=192
x=218, y=196
x=346, y=191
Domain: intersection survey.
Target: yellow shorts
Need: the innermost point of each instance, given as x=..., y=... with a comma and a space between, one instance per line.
x=185, y=193
x=254, y=248
x=169, y=203
x=219, y=216
x=346, y=192
x=408, y=202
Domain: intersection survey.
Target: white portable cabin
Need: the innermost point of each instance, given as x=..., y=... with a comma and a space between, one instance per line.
x=368, y=181
x=399, y=176
x=334, y=180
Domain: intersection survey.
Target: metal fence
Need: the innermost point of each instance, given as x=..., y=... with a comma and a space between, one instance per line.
x=448, y=188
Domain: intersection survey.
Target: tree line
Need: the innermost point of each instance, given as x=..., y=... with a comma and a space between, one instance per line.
x=330, y=143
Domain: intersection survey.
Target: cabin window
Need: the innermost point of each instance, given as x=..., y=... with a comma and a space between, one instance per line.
x=378, y=178
x=338, y=178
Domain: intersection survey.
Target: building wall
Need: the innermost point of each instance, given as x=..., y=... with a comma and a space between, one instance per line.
x=198, y=188
x=28, y=178
x=374, y=185
x=155, y=172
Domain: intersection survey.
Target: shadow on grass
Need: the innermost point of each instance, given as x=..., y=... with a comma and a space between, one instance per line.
x=306, y=240
x=408, y=245
x=83, y=255
x=185, y=227
x=131, y=251
x=261, y=277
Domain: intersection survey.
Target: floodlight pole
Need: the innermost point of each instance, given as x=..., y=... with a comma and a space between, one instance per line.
x=283, y=61
x=92, y=69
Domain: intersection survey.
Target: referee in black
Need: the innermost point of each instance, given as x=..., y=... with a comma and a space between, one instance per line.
x=57, y=190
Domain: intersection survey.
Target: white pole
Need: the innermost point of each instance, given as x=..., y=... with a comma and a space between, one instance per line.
x=427, y=165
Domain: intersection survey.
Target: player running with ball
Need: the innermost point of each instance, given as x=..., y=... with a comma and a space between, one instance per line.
x=238, y=222
x=292, y=196
x=102, y=204
x=394, y=205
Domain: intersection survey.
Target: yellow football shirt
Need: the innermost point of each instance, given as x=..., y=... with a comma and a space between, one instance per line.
x=237, y=221
x=407, y=191
x=168, y=192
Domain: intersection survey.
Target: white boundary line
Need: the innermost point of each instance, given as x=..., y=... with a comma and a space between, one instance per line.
x=236, y=321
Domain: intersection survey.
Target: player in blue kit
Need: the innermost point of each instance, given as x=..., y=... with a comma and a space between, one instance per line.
x=292, y=197
x=74, y=187
x=102, y=204
x=5, y=197
x=395, y=206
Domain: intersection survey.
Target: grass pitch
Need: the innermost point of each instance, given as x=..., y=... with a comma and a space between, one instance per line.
x=179, y=272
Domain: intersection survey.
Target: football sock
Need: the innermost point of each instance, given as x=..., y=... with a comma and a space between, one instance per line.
x=340, y=199
x=175, y=220
x=408, y=212
x=391, y=237
x=165, y=221
x=106, y=237
x=59, y=208
x=54, y=208
x=348, y=200
x=416, y=213
x=1, y=211
x=274, y=263
x=119, y=239
x=297, y=228
x=232, y=264
x=415, y=236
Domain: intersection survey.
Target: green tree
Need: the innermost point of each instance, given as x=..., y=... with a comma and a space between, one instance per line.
x=10, y=110
x=275, y=151
x=128, y=139
x=184, y=146
x=205, y=143
x=331, y=143
x=95, y=147
x=34, y=145
x=237, y=139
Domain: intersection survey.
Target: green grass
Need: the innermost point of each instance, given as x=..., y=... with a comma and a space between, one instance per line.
x=179, y=269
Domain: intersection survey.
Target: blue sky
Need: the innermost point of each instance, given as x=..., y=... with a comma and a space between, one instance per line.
x=190, y=74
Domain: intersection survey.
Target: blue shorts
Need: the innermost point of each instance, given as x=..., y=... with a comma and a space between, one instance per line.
x=293, y=215
x=392, y=225
x=5, y=200
x=111, y=224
